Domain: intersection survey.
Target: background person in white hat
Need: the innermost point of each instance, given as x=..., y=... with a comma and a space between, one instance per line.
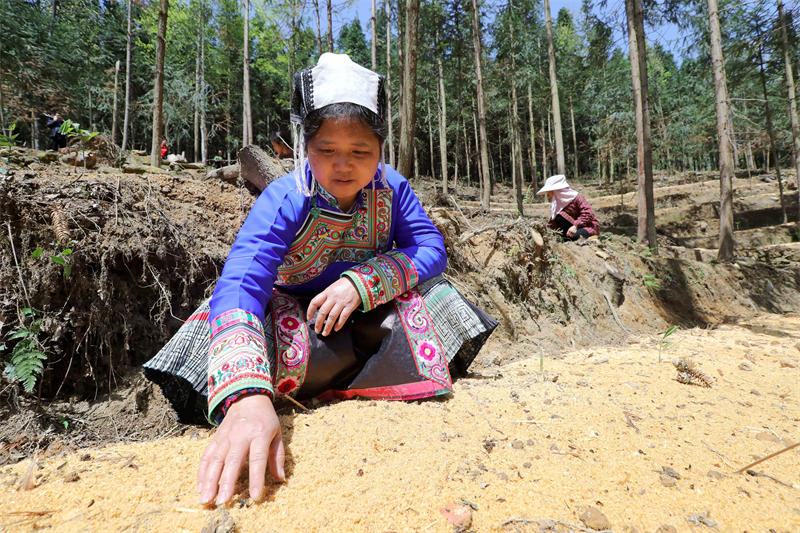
x=570, y=213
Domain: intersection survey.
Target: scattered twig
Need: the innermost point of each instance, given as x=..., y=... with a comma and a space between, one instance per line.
x=614, y=313
x=718, y=455
x=472, y=234
x=298, y=404
x=16, y=262
x=762, y=474
x=770, y=456
x=552, y=521
x=630, y=422
x=28, y=481
x=453, y=201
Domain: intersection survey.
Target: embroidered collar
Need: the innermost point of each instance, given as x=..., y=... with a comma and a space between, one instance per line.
x=333, y=202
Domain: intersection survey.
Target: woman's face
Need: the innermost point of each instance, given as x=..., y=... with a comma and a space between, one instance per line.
x=344, y=156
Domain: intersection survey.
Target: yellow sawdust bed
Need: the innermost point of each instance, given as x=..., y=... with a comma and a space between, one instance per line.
x=593, y=429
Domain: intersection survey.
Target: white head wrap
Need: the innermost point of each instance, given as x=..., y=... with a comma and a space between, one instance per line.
x=334, y=79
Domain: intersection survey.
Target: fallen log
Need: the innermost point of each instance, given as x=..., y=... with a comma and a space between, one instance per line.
x=255, y=166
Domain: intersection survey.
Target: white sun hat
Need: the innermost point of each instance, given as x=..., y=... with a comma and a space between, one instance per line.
x=554, y=183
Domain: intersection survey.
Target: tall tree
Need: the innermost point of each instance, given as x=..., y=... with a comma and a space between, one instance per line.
x=319, y=31
x=158, y=85
x=787, y=63
x=409, y=95
x=554, y=90
x=389, y=116
x=373, y=44
x=442, y=119
x=725, y=252
x=330, y=25
x=483, y=144
x=127, y=82
x=247, y=113
x=114, y=112
x=638, y=53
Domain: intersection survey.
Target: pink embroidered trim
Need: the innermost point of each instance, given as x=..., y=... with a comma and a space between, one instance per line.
x=382, y=278
x=237, y=358
x=422, y=338
x=292, y=343
x=408, y=391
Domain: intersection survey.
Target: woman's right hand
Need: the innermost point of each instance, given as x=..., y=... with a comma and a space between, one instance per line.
x=250, y=429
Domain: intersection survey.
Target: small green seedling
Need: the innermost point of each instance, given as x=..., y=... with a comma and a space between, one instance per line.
x=8, y=140
x=651, y=281
x=663, y=344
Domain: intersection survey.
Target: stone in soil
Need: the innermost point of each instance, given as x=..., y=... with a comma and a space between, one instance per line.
x=715, y=474
x=669, y=471
x=220, y=521
x=593, y=518
x=785, y=363
x=767, y=436
x=701, y=519
x=667, y=481
x=458, y=515
x=666, y=528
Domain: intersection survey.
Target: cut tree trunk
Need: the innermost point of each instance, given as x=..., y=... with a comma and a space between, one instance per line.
x=726, y=242
x=158, y=86
x=255, y=166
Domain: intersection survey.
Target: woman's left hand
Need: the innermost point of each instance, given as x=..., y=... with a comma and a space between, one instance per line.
x=571, y=231
x=333, y=306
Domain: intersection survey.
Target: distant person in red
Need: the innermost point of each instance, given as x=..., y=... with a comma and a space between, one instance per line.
x=164, y=149
x=570, y=213
x=281, y=147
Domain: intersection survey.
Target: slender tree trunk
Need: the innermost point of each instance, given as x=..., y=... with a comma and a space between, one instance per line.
x=400, y=64
x=534, y=177
x=330, y=26
x=430, y=140
x=127, y=81
x=787, y=60
x=247, y=114
x=770, y=129
x=203, y=90
x=442, y=119
x=197, y=90
x=2, y=108
x=516, y=158
x=158, y=86
x=545, y=158
x=638, y=54
x=725, y=160
x=374, y=50
x=466, y=152
x=409, y=89
x=484, y=150
x=554, y=90
x=319, y=29
x=389, y=116
x=479, y=165
x=114, y=112
x=574, y=137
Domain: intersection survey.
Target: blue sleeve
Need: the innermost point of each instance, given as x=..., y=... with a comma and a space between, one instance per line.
x=261, y=244
x=415, y=235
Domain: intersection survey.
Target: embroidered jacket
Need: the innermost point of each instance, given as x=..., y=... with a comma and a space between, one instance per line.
x=385, y=246
x=580, y=214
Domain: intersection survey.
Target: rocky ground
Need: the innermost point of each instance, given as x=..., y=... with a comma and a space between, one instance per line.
x=568, y=408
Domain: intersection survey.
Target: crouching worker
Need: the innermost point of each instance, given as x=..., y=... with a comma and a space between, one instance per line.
x=570, y=213
x=332, y=289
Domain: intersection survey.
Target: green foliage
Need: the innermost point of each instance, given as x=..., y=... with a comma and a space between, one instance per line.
x=73, y=130
x=60, y=258
x=8, y=140
x=651, y=281
x=662, y=343
x=27, y=359
x=353, y=43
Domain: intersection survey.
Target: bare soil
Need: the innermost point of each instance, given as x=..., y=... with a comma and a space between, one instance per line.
x=573, y=367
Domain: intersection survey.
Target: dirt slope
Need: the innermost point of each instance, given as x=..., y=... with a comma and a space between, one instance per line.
x=596, y=428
